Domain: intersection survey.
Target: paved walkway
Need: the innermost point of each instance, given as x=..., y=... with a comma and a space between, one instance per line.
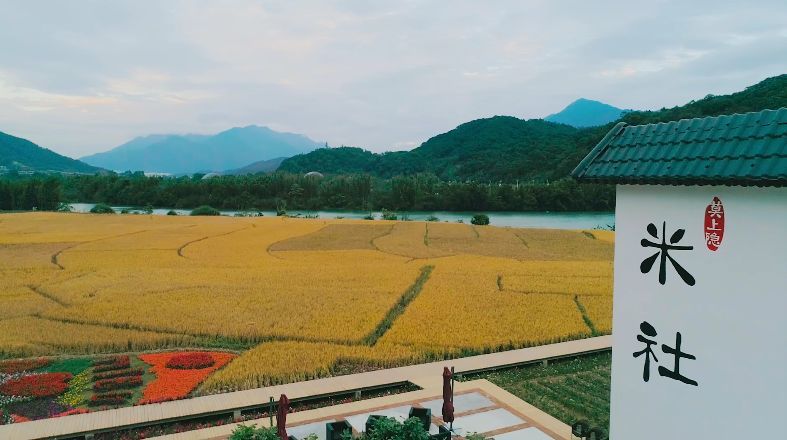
x=421, y=374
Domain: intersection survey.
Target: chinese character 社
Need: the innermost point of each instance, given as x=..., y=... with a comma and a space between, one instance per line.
x=650, y=331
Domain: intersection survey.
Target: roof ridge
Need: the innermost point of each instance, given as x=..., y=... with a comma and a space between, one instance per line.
x=731, y=115
x=580, y=169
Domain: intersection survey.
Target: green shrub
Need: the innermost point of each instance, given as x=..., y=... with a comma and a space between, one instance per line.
x=102, y=208
x=389, y=215
x=387, y=428
x=281, y=208
x=205, y=210
x=480, y=219
x=432, y=218
x=148, y=209
x=64, y=207
x=171, y=212
x=243, y=432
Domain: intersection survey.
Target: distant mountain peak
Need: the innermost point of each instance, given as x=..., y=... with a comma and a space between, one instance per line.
x=184, y=154
x=585, y=112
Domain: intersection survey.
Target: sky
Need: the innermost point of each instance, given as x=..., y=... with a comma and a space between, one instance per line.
x=81, y=77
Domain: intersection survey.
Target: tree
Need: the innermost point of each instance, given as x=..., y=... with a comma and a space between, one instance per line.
x=205, y=210
x=480, y=219
x=102, y=208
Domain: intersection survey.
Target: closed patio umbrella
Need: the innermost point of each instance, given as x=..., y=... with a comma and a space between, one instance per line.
x=448, y=396
x=281, y=417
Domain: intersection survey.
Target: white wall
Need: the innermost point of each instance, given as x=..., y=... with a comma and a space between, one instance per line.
x=734, y=319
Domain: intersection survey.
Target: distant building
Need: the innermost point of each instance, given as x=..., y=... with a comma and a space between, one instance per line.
x=210, y=176
x=698, y=325
x=314, y=174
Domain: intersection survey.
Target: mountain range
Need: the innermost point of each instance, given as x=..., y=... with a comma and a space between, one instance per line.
x=184, y=154
x=586, y=113
x=500, y=148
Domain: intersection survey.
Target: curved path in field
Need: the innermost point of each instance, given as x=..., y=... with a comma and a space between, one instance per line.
x=184, y=245
x=56, y=255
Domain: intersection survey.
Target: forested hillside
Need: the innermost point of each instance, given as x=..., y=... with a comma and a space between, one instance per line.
x=17, y=154
x=508, y=149
x=501, y=148
x=768, y=94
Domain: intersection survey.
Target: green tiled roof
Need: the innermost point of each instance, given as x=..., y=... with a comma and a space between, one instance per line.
x=742, y=149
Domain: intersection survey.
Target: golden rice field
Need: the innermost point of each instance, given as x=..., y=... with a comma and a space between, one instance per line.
x=298, y=298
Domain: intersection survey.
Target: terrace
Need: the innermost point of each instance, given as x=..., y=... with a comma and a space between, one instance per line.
x=480, y=407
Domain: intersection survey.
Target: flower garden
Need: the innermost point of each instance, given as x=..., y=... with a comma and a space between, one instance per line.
x=39, y=388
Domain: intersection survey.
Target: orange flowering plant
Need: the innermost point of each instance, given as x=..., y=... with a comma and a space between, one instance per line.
x=177, y=383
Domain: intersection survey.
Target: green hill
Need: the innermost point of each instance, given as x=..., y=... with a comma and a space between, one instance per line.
x=505, y=148
x=261, y=166
x=768, y=94
x=497, y=148
x=17, y=154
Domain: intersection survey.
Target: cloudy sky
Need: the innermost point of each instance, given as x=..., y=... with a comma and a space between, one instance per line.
x=84, y=76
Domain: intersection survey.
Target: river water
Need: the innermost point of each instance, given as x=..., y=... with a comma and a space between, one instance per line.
x=556, y=220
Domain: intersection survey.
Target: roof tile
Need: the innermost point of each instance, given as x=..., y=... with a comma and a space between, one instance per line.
x=739, y=149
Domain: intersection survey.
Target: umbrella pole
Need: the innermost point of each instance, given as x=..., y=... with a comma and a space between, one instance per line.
x=270, y=410
x=451, y=424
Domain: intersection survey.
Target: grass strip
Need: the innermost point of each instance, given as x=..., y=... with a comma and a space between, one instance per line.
x=585, y=317
x=409, y=295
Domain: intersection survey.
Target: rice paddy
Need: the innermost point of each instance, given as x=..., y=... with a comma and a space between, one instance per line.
x=311, y=297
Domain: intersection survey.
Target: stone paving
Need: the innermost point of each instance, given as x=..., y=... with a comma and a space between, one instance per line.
x=480, y=407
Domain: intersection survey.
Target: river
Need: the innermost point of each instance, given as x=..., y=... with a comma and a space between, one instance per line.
x=556, y=220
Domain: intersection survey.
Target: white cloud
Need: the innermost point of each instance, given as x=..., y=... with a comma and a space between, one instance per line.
x=84, y=76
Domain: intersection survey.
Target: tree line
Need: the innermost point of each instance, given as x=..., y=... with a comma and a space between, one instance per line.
x=29, y=194
x=420, y=192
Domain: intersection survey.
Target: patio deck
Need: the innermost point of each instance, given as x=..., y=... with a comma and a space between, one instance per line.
x=480, y=406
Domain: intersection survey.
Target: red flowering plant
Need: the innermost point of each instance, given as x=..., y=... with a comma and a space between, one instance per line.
x=111, y=363
x=119, y=373
x=174, y=383
x=19, y=365
x=19, y=419
x=36, y=385
x=117, y=383
x=116, y=398
x=191, y=361
x=71, y=412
